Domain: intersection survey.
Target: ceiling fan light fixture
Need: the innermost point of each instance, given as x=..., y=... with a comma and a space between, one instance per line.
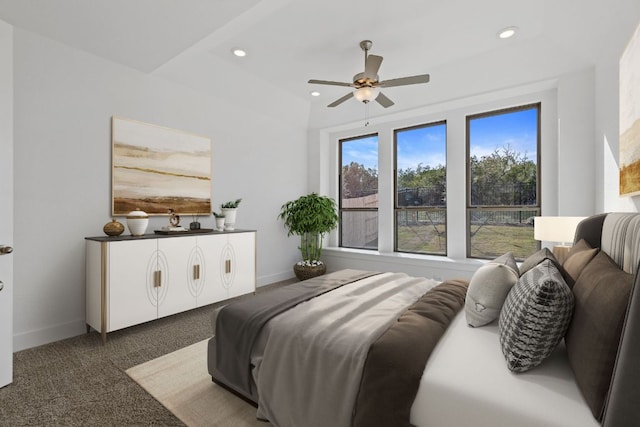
x=315, y=93
x=508, y=32
x=366, y=94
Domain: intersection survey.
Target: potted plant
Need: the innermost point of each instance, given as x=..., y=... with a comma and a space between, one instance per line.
x=310, y=217
x=220, y=218
x=229, y=210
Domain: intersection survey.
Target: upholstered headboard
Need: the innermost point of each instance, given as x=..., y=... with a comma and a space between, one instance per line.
x=618, y=234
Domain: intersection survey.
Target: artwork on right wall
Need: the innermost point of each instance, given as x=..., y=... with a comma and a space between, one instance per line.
x=630, y=117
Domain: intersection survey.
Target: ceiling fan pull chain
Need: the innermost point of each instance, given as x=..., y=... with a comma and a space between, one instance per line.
x=366, y=114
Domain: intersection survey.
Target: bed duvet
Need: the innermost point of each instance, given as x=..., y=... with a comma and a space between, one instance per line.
x=345, y=349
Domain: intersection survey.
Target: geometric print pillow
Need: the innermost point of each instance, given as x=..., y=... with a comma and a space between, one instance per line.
x=535, y=316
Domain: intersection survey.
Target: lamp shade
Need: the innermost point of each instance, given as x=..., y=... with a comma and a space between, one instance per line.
x=366, y=94
x=556, y=228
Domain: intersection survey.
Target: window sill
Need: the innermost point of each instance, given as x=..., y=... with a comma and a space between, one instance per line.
x=466, y=266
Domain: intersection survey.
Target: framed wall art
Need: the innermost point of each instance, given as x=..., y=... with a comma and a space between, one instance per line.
x=155, y=169
x=630, y=117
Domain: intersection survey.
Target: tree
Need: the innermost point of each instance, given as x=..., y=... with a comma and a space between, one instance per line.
x=503, y=178
x=423, y=176
x=358, y=181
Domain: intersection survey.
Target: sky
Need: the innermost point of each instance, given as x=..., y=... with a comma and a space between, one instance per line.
x=427, y=144
x=517, y=130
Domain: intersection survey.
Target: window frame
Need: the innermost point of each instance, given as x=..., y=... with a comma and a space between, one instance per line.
x=501, y=208
x=341, y=209
x=397, y=208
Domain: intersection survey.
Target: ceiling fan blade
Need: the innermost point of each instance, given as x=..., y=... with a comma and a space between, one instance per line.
x=403, y=81
x=384, y=101
x=341, y=100
x=371, y=67
x=328, y=82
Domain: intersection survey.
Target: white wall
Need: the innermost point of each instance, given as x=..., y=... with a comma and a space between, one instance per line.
x=575, y=180
x=64, y=100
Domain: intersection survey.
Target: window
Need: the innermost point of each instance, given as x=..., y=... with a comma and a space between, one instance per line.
x=420, y=183
x=359, y=192
x=503, y=181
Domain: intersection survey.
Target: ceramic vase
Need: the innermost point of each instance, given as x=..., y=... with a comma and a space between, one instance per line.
x=137, y=221
x=229, y=218
x=220, y=224
x=113, y=228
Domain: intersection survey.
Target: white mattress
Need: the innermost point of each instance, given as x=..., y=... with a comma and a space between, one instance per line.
x=466, y=382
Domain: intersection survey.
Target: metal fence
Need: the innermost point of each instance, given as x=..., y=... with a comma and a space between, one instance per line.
x=503, y=217
x=512, y=194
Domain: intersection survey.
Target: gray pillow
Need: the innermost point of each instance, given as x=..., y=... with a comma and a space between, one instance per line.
x=488, y=289
x=535, y=316
x=536, y=258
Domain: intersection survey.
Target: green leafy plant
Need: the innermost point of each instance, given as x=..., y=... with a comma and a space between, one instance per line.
x=310, y=217
x=218, y=215
x=231, y=205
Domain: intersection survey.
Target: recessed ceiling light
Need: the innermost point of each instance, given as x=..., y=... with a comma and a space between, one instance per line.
x=508, y=32
x=315, y=93
x=239, y=52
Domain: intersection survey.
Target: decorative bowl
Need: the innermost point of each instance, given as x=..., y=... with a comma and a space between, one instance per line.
x=137, y=221
x=113, y=228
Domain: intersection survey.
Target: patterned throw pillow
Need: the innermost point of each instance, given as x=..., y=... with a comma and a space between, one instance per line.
x=535, y=316
x=488, y=288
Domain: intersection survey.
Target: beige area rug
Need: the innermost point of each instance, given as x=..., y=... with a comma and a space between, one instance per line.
x=181, y=382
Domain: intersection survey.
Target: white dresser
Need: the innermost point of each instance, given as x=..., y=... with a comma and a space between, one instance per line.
x=131, y=280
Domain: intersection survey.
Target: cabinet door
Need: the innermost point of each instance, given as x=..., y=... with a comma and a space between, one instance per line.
x=131, y=296
x=210, y=286
x=238, y=264
x=174, y=295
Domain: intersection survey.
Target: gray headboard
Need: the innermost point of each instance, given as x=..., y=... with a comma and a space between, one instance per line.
x=619, y=236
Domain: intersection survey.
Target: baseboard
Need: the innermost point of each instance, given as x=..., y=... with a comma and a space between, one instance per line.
x=25, y=340
x=273, y=278
x=34, y=338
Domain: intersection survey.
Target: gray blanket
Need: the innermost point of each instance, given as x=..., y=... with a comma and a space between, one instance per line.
x=314, y=355
x=239, y=324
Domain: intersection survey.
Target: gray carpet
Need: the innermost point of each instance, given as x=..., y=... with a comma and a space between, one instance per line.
x=79, y=382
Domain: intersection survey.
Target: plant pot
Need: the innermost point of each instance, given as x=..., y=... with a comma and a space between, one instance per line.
x=220, y=224
x=229, y=218
x=304, y=272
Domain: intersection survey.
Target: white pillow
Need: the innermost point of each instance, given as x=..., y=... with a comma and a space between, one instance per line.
x=489, y=288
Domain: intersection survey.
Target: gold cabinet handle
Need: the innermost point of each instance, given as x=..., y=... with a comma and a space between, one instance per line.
x=196, y=271
x=157, y=278
x=227, y=266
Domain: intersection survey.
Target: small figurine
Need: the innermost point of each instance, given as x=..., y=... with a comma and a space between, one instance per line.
x=174, y=219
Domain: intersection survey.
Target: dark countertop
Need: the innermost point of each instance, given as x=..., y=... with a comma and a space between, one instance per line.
x=163, y=234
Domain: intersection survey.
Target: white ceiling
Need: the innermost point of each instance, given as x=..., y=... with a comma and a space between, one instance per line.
x=291, y=41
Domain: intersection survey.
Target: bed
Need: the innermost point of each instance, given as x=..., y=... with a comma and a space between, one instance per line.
x=366, y=348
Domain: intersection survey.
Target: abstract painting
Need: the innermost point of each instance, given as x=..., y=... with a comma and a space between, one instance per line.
x=630, y=117
x=155, y=169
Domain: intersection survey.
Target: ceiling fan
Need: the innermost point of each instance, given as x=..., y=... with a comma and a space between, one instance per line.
x=366, y=84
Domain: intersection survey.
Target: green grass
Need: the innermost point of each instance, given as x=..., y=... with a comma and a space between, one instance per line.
x=489, y=241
